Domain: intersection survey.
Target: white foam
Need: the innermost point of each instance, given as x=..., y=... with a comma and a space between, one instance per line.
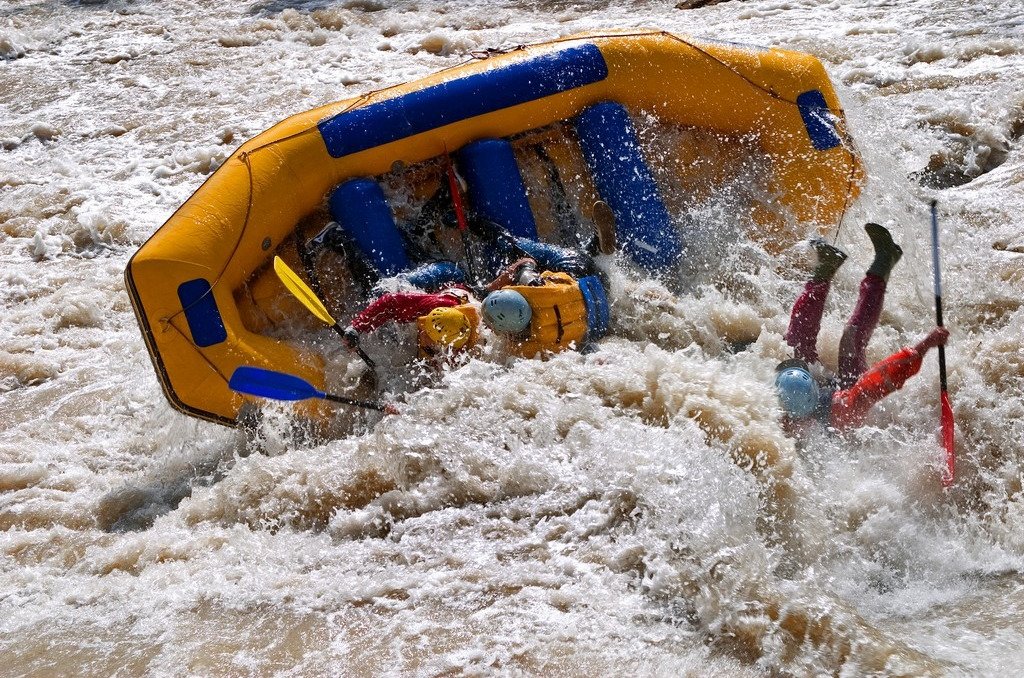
x=636, y=510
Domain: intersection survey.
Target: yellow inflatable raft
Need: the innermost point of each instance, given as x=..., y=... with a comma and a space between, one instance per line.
x=617, y=116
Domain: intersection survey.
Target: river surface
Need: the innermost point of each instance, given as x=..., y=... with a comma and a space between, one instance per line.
x=634, y=511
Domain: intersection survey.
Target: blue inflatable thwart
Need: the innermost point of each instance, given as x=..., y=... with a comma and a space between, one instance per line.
x=612, y=151
x=359, y=206
x=496, y=186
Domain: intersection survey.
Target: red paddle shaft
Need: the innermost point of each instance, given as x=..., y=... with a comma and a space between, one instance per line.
x=460, y=211
x=453, y=186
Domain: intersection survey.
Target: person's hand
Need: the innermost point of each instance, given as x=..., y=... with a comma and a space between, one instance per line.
x=350, y=337
x=513, y=273
x=525, y=272
x=523, y=261
x=937, y=337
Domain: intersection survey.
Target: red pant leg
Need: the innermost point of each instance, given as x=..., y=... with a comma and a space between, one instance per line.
x=805, y=320
x=854, y=343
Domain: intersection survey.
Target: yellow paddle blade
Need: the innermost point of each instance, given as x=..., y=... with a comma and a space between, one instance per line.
x=301, y=291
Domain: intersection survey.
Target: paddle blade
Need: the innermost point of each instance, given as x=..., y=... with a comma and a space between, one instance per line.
x=300, y=290
x=257, y=381
x=947, y=441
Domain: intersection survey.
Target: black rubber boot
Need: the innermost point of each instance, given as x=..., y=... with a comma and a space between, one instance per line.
x=887, y=253
x=830, y=258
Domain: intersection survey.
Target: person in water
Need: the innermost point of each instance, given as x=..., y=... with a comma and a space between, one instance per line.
x=844, y=402
x=547, y=312
x=446, y=320
x=542, y=312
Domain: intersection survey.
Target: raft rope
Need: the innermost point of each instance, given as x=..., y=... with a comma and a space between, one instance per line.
x=244, y=158
x=850, y=178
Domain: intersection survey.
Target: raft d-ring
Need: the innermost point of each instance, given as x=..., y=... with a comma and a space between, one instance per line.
x=266, y=243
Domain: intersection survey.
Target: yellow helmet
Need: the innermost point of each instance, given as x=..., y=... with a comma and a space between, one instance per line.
x=447, y=326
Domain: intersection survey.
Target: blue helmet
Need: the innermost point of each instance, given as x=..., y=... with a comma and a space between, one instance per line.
x=507, y=311
x=798, y=392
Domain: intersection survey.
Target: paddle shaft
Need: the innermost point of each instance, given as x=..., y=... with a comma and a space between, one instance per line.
x=362, y=354
x=367, y=404
x=937, y=276
x=946, y=407
x=460, y=211
x=308, y=298
x=942, y=349
x=453, y=187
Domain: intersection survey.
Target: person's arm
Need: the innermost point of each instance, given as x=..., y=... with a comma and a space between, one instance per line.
x=851, y=405
x=937, y=337
x=402, y=307
x=520, y=272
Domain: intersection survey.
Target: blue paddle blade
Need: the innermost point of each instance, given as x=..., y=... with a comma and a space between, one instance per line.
x=270, y=384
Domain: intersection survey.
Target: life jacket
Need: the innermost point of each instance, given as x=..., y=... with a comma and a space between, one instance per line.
x=561, y=315
x=429, y=349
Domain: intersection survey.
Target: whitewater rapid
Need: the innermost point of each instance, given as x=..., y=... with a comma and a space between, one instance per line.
x=636, y=510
